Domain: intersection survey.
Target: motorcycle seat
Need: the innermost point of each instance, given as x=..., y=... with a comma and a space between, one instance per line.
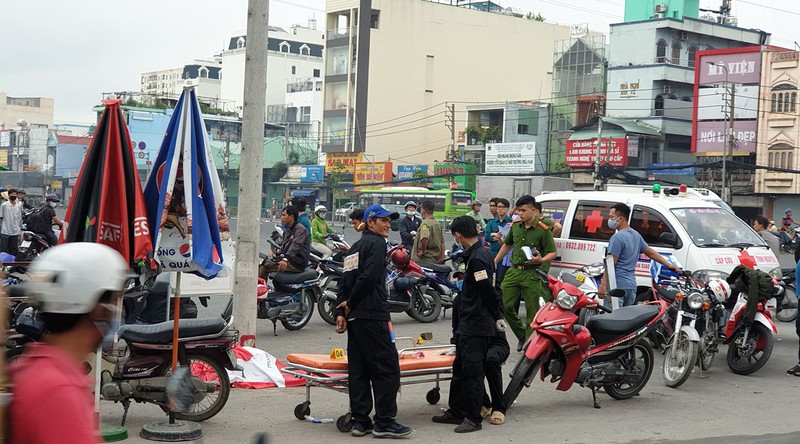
x=161, y=333
x=294, y=278
x=667, y=293
x=439, y=269
x=623, y=320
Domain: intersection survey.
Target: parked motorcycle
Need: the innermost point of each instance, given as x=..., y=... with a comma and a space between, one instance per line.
x=787, y=310
x=421, y=300
x=31, y=245
x=290, y=299
x=608, y=352
x=331, y=274
x=143, y=363
x=750, y=346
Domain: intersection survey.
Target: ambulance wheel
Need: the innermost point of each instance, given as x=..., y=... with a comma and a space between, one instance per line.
x=344, y=423
x=302, y=410
x=433, y=396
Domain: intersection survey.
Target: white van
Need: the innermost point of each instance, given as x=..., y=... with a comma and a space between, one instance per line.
x=701, y=235
x=696, y=193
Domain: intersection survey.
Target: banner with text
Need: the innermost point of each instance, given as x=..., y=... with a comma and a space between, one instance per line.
x=511, y=158
x=346, y=160
x=454, y=169
x=582, y=153
x=712, y=136
x=367, y=173
x=405, y=172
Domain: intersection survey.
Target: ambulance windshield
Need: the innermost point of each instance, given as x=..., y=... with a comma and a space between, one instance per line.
x=715, y=227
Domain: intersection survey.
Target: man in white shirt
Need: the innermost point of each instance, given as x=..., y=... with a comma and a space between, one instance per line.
x=10, y=223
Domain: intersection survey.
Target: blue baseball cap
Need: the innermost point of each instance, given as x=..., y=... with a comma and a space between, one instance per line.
x=788, y=210
x=379, y=211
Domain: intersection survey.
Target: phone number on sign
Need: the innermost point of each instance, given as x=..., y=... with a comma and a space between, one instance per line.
x=580, y=246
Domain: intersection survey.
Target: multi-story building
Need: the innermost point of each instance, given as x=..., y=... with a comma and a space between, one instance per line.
x=36, y=111
x=392, y=66
x=294, y=76
x=167, y=84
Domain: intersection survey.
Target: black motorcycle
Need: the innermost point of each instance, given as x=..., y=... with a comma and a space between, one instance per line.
x=787, y=309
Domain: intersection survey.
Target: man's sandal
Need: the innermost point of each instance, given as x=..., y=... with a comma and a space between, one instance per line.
x=498, y=418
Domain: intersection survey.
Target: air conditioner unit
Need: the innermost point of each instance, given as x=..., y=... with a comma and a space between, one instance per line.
x=659, y=16
x=684, y=35
x=661, y=7
x=666, y=89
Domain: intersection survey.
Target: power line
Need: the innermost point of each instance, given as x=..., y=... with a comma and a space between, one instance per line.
x=761, y=5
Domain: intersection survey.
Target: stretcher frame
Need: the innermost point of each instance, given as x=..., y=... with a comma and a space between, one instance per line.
x=337, y=381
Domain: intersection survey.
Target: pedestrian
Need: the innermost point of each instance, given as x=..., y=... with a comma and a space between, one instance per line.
x=493, y=207
x=495, y=233
x=302, y=218
x=320, y=229
x=760, y=225
x=42, y=221
x=78, y=286
x=479, y=319
x=532, y=248
x=22, y=196
x=10, y=223
x=409, y=224
x=356, y=220
x=363, y=311
x=429, y=243
x=626, y=245
x=475, y=213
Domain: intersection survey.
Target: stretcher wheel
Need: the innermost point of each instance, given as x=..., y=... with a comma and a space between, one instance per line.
x=344, y=423
x=433, y=396
x=302, y=410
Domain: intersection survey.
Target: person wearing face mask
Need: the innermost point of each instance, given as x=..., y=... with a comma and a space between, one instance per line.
x=42, y=221
x=10, y=223
x=79, y=286
x=409, y=224
x=625, y=246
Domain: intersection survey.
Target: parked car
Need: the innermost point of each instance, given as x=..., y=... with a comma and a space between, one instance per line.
x=345, y=209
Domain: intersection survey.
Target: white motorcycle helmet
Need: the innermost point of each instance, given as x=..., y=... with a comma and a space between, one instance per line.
x=71, y=278
x=719, y=288
x=320, y=209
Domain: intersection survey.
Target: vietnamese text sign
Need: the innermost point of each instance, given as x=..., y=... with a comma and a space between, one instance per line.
x=372, y=172
x=712, y=136
x=5, y=139
x=405, y=172
x=312, y=173
x=733, y=68
x=347, y=160
x=3, y=157
x=516, y=158
x=582, y=153
x=454, y=169
x=712, y=103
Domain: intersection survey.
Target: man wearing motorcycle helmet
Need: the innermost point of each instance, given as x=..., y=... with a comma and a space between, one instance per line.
x=409, y=225
x=78, y=286
x=320, y=229
x=363, y=311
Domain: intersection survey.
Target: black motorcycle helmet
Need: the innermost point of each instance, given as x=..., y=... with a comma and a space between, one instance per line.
x=403, y=284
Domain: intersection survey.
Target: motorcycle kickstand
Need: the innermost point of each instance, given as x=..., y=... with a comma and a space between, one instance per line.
x=274, y=327
x=126, y=404
x=594, y=398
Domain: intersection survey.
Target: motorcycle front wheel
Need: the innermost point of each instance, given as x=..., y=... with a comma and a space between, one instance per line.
x=210, y=371
x=302, y=314
x=425, y=307
x=747, y=357
x=326, y=305
x=679, y=360
x=638, y=365
x=522, y=373
x=710, y=347
x=789, y=313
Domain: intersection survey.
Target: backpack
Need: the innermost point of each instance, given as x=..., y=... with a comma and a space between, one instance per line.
x=37, y=222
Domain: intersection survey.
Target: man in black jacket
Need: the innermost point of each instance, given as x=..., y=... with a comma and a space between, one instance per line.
x=409, y=225
x=295, y=249
x=479, y=320
x=363, y=311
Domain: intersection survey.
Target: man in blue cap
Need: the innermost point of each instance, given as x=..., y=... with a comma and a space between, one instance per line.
x=363, y=311
x=409, y=224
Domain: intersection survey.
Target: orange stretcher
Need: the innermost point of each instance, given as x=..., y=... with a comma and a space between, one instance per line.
x=418, y=365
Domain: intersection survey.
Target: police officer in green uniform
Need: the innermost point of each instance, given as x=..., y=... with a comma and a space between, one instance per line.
x=521, y=277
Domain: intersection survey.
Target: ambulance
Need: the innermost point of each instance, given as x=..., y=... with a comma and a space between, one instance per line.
x=695, y=231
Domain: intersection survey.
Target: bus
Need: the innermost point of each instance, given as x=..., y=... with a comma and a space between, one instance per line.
x=448, y=203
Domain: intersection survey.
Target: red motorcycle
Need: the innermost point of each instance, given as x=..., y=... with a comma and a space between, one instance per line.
x=608, y=352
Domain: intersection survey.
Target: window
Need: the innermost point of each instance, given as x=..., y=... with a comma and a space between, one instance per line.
x=661, y=51
x=316, y=73
x=555, y=209
x=659, y=106
x=528, y=122
x=336, y=60
x=284, y=47
x=374, y=19
x=240, y=43
x=651, y=225
x=305, y=50
x=794, y=101
x=781, y=156
x=692, y=55
x=773, y=106
x=676, y=53
x=784, y=98
x=780, y=102
x=591, y=222
x=202, y=72
x=294, y=69
x=305, y=113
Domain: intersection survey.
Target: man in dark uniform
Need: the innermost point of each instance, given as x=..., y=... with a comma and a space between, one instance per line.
x=479, y=319
x=409, y=225
x=363, y=311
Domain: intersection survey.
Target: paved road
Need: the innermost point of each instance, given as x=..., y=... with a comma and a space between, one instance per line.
x=718, y=408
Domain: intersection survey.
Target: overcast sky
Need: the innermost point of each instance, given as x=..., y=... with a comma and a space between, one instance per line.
x=73, y=51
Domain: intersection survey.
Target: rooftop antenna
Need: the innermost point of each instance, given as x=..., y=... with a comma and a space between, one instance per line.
x=723, y=13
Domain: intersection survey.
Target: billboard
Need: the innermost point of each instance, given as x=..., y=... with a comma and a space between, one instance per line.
x=348, y=161
x=312, y=173
x=510, y=158
x=406, y=172
x=711, y=136
x=457, y=170
x=367, y=173
x=582, y=153
x=733, y=67
x=712, y=103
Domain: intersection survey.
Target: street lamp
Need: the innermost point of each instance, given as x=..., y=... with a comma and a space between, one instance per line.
x=729, y=139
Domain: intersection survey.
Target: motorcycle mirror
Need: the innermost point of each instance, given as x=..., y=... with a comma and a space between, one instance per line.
x=180, y=389
x=617, y=293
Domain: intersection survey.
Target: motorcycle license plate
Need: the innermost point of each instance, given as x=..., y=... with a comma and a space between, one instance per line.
x=580, y=277
x=25, y=244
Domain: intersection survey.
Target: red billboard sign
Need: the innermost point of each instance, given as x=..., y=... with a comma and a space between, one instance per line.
x=582, y=153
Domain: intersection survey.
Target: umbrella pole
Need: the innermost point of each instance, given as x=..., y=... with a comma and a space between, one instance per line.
x=175, y=325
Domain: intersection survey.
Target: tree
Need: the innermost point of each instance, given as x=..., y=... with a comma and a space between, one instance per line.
x=485, y=134
x=335, y=179
x=421, y=177
x=535, y=17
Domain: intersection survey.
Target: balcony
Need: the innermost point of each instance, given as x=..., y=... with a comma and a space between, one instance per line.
x=341, y=33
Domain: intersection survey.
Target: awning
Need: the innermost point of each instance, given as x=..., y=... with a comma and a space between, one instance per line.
x=612, y=127
x=303, y=192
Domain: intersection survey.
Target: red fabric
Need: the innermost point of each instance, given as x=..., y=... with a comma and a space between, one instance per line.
x=242, y=353
x=52, y=402
x=291, y=381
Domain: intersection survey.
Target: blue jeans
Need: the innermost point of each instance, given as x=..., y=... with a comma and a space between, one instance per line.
x=628, y=299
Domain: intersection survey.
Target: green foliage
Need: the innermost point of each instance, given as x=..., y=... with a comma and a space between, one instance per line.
x=535, y=17
x=278, y=171
x=485, y=134
x=421, y=177
x=562, y=167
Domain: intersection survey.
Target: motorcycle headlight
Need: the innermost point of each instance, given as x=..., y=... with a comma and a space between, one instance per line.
x=695, y=301
x=706, y=275
x=566, y=300
x=776, y=274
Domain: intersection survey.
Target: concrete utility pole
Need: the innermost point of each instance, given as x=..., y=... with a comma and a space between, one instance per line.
x=598, y=184
x=250, y=171
x=729, y=147
x=450, y=123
